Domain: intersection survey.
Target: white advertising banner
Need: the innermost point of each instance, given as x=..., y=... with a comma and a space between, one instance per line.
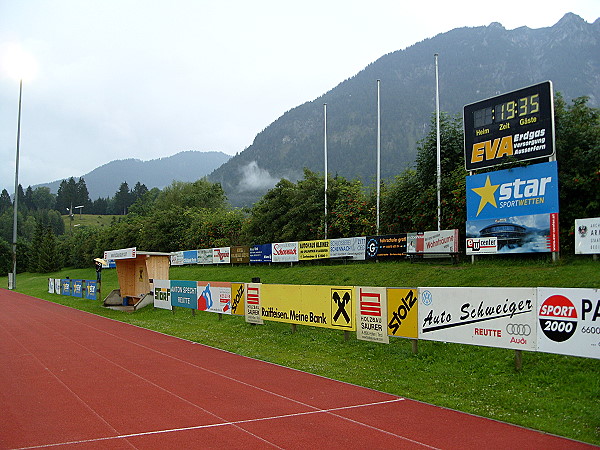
x=587, y=236
x=177, y=259
x=57, y=286
x=479, y=245
x=205, y=256
x=371, y=314
x=221, y=255
x=569, y=321
x=353, y=247
x=440, y=241
x=491, y=317
x=51, y=285
x=284, y=252
x=252, y=305
x=123, y=253
x=214, y=296
x=162, y=294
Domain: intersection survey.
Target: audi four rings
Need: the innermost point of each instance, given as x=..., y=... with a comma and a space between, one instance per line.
x=518, y=329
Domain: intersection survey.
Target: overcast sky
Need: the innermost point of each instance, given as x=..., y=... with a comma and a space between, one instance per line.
x=145, y=79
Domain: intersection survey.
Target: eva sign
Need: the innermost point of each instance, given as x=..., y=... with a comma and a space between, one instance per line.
x=569, y=322
x=371, y=314
x=491, y=317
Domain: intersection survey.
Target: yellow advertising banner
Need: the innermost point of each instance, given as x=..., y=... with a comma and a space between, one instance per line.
x=238, y=299
x=402, y=312
x=313, y=249
x=319, y=306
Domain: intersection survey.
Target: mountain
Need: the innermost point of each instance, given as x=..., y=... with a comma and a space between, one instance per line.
x=474, y=64
x=105, y=180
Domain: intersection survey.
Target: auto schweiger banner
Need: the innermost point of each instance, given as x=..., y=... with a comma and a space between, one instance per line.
x=319, y=306
x=517, y=206
x=491, y=317
x=569, y=322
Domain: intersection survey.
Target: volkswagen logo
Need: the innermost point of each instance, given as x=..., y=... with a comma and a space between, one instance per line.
x=518, y=329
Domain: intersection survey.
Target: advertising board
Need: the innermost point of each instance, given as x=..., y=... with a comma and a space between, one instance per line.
x=51, y=285
x=587, y=236
x=352, y=248
x=162, y=294
x=519, y=207
x=176, y=258
x=123, y=253
x=252, y=309
x=319, y=306
x=284, y=252
x=479, y=245
x=402, y=313
x=490, y=317
x=221, y=255
x=205, y=256
x=260, y=253
x=214, y=296
x=569, y=322
x=371, y=314
x=517, y=125
x=444, y=241
x=240, y=254
x=183, y=294
x=77, y=288
x=318, y=249
x=65, y=286
x=390, y=246
x=90, y=289
x=238, y=299
x=190, y=257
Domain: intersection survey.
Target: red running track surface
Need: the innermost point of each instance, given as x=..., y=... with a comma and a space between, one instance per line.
x=70, y=379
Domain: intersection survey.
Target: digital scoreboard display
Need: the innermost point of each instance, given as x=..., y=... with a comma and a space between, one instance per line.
x=518, y=125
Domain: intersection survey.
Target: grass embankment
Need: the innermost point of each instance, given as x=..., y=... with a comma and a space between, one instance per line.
x=553, y=393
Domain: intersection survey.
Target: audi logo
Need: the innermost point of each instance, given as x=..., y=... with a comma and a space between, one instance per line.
x=518, y=329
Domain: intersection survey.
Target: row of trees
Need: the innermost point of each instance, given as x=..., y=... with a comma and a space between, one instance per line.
x=197, y=215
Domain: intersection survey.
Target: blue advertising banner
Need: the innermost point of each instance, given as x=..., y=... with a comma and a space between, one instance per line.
x=190, y=257
x=522, y=191
x=183, y=293
x=77, y=290
x=65, y=286
x=261, y=253
x=90, y=289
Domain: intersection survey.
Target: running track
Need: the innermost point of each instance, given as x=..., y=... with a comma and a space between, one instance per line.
x=70, y=379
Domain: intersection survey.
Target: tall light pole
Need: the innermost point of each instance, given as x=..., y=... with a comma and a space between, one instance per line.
x=16, y=201
x=378, y=154
x=325, y=152
x=438, y=145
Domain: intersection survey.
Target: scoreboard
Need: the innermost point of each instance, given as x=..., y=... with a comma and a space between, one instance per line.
x=518, y=125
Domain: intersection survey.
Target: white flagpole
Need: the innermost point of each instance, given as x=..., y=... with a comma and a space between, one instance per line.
x=378, y=152
x=439, y=152
x=325, y=151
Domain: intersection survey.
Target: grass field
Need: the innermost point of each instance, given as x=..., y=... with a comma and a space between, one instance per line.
x=553, y=393
x=86, y=220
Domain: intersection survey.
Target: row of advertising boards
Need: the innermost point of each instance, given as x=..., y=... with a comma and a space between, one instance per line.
x=551, y=320
x=75, y=288
x=353, y=248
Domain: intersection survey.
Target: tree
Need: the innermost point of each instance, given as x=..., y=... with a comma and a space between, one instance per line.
x=5, y=201
x=82, y=197
x=66, y=196
x=28, y=199
x=43, y=198
x=578, y=156
x=123, y=199
x=199, y=194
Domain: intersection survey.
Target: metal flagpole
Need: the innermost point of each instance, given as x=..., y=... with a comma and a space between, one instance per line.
x=439, y=152
x=378, y=152
x=325, y=151
x=15, y=205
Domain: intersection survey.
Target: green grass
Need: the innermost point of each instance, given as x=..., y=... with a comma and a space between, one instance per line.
x=87, y=220
x=553, y=393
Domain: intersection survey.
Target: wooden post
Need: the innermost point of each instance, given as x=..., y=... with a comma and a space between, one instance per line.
x=293, y=327
x=415, y=346
x=346, y=336
x=220, y=316
x=518, y=360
